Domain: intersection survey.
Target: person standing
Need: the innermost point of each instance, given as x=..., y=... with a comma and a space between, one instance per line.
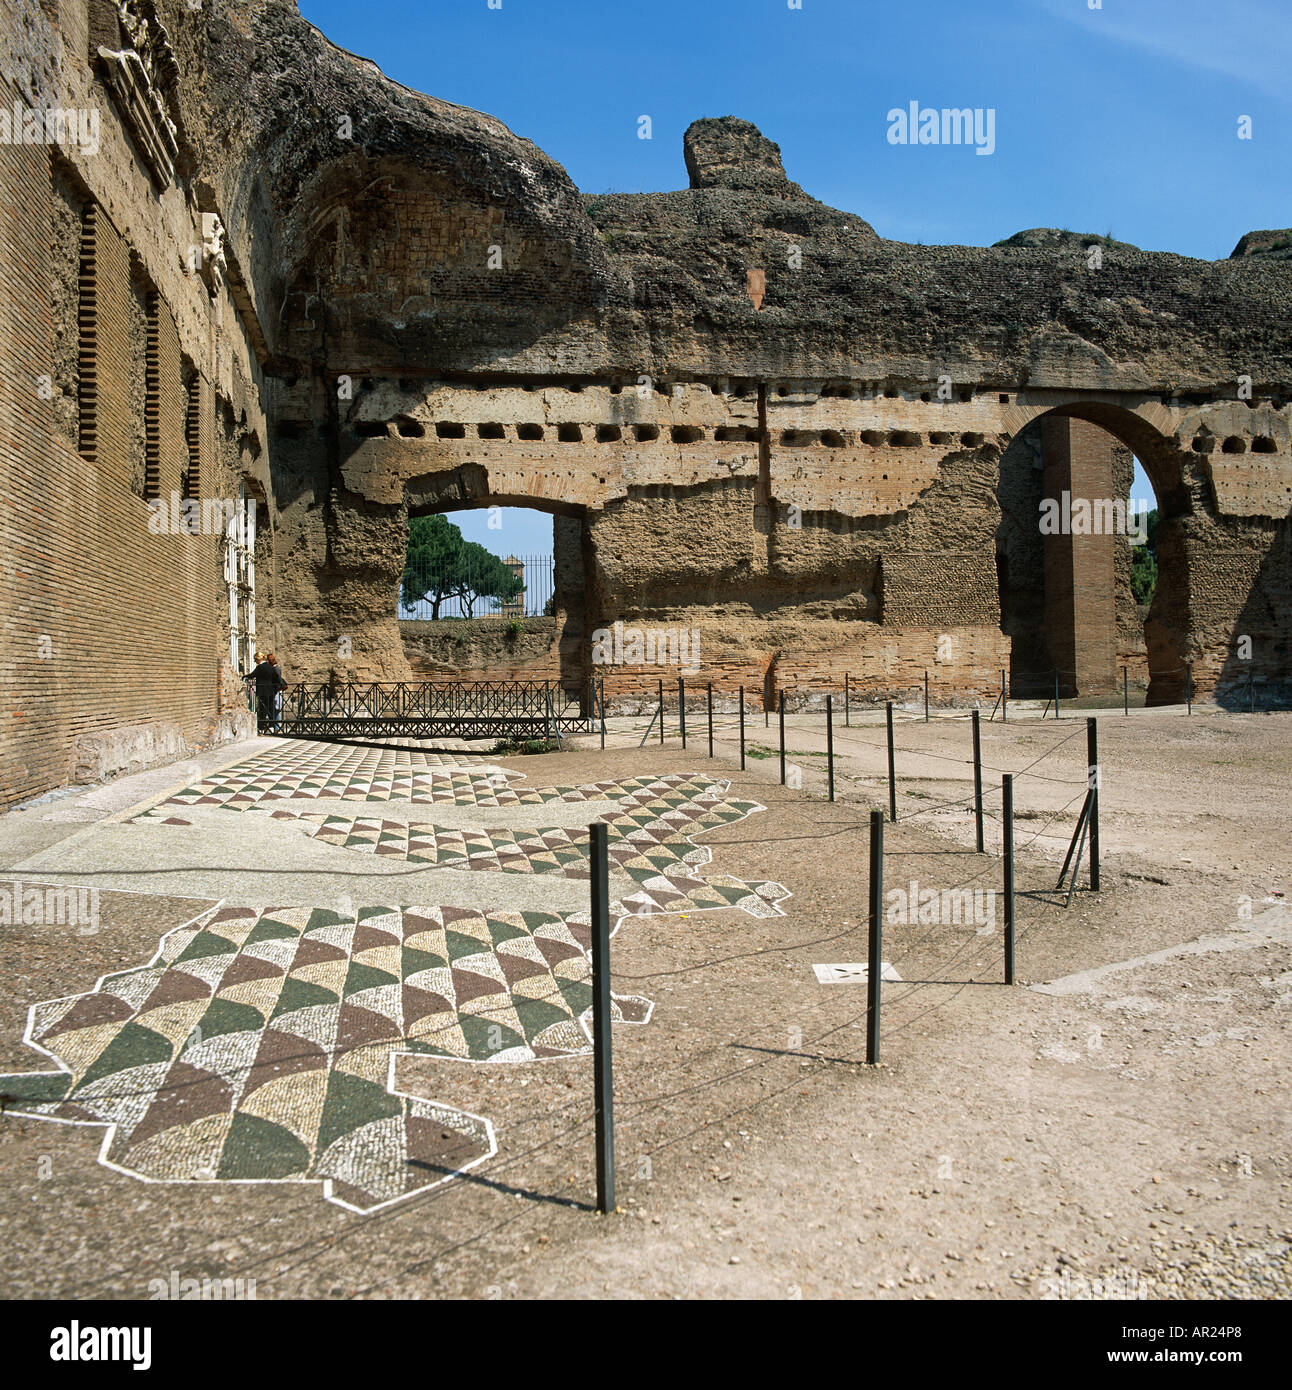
x=282, y=685
x=269, y=684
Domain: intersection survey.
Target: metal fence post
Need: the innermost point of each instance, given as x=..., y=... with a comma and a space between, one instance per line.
x=602, y=702
x=829, y=744
x=1056, y=692
x=892, y=771
x=1188, y=684
x=711, y=719
x=782, y=721
x=681, y=707
x=661, y=712
x=977, y=779
x=846, y=701
x=602, y=1080
x=1004, y=698
x=926, y=697
x=875, y=953
x=1093, y=780
x=1007, y=831
x=742, y=728
x=1125, y=692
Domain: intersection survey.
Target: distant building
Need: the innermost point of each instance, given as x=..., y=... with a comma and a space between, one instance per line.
x=514, y=608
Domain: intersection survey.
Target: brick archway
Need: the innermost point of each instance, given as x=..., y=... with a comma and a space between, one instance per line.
x=1089, y=609
x=1078, y=626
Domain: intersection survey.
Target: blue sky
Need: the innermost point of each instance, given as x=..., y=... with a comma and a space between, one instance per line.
x=519, y=531
x=1120, y=119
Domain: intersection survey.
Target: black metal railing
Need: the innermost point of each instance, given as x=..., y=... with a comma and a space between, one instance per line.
x=486, y=587
x=429, y=709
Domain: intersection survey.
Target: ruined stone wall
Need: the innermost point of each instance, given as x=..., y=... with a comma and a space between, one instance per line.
x=477, y=649
x=803, y=660
x=830, y=474
x=441, y=269
x=807, y=503
x=688, y=496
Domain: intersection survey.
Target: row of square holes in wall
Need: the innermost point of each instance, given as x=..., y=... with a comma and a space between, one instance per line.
x=742, y=390
x=409, y=428
x=747, y=390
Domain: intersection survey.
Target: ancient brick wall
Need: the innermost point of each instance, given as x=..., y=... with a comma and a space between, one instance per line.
x=804, y=661
x=787, y=449
x=109, y=625
x=1079, y=567
x=114, y=636
x=1021, y=557
x=869, y=504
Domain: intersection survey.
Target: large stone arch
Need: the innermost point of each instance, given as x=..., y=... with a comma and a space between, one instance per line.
x=1218, y=533
x=1080, y=434
x=467, y=488
x=1065, y=599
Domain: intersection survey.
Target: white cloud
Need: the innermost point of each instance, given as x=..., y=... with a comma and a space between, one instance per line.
x=1249, y=41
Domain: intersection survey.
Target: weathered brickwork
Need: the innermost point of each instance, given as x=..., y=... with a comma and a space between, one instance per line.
x=1079, y=568
x=874, y=513
x=114, y=640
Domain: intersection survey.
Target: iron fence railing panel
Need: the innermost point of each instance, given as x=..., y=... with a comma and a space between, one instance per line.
x=451, y=709
x=457, y=592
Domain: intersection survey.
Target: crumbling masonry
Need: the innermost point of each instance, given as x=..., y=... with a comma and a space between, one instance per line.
x=279, y=280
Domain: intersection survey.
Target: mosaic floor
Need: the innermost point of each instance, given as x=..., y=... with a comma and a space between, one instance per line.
x=259, y=1044
x=649, y=840
x=240, y=789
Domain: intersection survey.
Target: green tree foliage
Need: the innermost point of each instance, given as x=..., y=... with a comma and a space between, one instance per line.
x=1144, y=564
x=434, y=548
x=441, y=565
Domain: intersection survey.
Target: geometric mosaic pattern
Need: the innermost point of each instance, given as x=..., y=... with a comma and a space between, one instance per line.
x=308, y=753
x=250, y=786
x=292, y=755
x=239, y=790
x=649, y=840
x=260, y=1045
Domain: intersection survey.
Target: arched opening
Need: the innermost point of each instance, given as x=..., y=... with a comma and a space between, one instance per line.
x=1090, y=558
x=493, y=589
